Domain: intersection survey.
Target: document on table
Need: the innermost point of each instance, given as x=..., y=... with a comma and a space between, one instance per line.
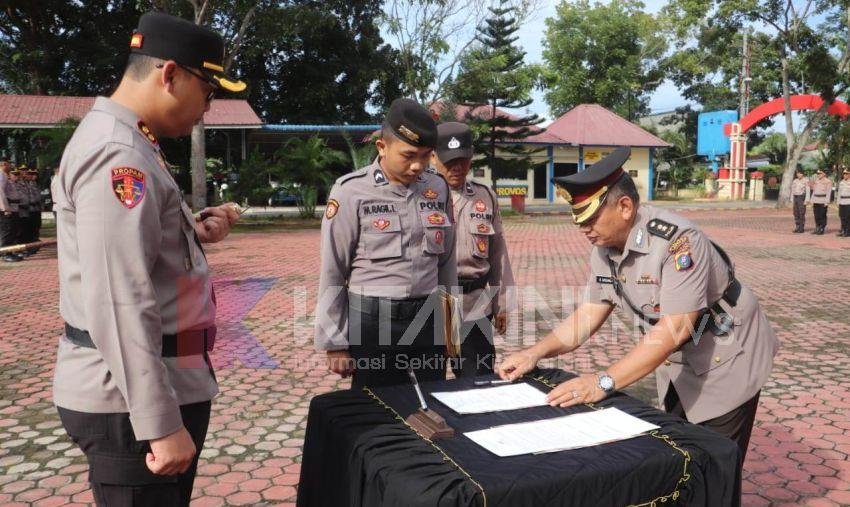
x=561, y=433
x=492, y=399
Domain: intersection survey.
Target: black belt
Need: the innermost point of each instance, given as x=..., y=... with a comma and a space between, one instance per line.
x=820, y=195
x=468, y=285
x=402, y=309
x=190, y=343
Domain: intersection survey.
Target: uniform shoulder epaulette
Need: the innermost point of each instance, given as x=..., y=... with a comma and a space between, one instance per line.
x=431, y=169
x=350, y=176
x=658, y=227
x=440, y=175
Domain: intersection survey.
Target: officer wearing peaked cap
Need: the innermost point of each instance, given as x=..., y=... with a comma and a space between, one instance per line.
x=133, y=381
x=387, y=246
x=9, y=201
x=709, y=342
x=484, y=269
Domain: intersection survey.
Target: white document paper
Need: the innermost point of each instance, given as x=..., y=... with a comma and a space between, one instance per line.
x=561, y=433
x=492, y=399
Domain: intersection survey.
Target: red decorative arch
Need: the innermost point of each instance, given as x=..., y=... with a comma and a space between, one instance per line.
x=798, y=103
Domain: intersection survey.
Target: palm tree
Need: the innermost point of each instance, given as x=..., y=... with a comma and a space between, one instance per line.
x=302, y=165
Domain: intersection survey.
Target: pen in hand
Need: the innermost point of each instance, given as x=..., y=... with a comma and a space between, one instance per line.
x=479, y=383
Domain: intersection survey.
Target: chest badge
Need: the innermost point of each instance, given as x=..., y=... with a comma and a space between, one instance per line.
x=436, y=219
x=646, y=280
x=483, y=228
x=480, y=206
x=430, y=194
x=381, y=223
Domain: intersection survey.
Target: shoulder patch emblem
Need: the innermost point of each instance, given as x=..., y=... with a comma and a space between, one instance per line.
x=480, y=206
x=438, y=237
x=682, y=243
x=483, y=228
x=331, y=209
x=128, y=183
x=684, y=261
x=436, y=219
x=430, y=194
x=661, y=228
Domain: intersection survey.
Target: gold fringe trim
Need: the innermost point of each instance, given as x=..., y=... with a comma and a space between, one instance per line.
x=686, y=476
x=446, y=457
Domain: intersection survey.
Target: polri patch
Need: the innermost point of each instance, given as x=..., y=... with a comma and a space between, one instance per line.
x=480, y=206
x=331, y=209
x=128, y=183
x=436, y=219
x=684, y=261
x=430, y=194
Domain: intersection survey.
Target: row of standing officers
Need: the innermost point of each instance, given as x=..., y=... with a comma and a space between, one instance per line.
x=20, y=208
x=818, y=193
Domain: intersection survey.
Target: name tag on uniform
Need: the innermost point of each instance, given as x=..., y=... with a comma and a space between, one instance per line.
x=605, y=279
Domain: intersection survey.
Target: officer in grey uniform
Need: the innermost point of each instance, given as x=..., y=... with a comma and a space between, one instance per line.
x=801, y=193
x=843, y=200
x=23, y=222
x=820, y=197
x=387, y=246
x=8, y=210
x=483, y=266
x=709, y=343
x=133, y=380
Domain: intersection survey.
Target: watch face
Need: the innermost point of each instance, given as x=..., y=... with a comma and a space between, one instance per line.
x=606, y=383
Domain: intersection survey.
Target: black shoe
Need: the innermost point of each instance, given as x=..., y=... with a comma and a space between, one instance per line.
x=11, y=258
x=841, y=234
x=820, y=231
x=798, y=230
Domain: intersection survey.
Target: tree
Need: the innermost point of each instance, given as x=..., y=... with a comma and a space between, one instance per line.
x=302, y=166
x=50, y=143
x=811, y=43
x=492, y=76
x=607, y=54
x=774, y=147
x=678, y=159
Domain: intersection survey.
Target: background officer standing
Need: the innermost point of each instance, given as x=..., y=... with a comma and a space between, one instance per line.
x=659, y=268
x=133, y=382
x=801, y=192
x=843, y=200
x=24, y=223
x=387, y=244
x=483, y=267
x=820, y=196
x=7, y=214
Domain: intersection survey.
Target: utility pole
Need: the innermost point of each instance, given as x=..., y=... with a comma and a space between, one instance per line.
x=744, y=105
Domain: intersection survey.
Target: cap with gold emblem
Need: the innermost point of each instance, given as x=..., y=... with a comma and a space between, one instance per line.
x=168, y=37
x=587, y=189
x=412, y=123
x=454, y=140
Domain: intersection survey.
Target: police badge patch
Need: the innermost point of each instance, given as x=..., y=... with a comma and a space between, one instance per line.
x=436, y=219
x=430, y=194
x=129, y=186
x=381, y=224
x=480, y=206
x=684, y=261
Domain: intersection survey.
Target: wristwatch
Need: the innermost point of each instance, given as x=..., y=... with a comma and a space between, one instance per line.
x=606, y=383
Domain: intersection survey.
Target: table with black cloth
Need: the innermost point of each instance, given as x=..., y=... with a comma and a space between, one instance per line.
x=358, y=451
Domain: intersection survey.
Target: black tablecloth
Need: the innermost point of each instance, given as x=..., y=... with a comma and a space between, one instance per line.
x=359, y=452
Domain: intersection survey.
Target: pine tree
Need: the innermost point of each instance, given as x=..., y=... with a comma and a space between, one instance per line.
x=493, y=76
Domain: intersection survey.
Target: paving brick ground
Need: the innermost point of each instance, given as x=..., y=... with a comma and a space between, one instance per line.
x=266, y=283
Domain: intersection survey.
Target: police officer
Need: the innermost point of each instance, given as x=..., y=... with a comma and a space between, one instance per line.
x=821, y=194
x=23, y=222
x=708, y=341
x=8, y=210
x=483, y=266
x=13, y=195
x=843, y=200
x=133, y=382
x=801, y=193
x=35, y=207
x=387, y=245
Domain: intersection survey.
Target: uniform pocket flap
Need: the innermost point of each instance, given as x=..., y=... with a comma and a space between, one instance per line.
x=711, y=352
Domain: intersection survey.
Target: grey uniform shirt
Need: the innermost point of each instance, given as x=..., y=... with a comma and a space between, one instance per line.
x=481, y=249
x=4, y=185
x=681, y=275
x=12, y=194
x=382, y=239
x=843, y=196
x=800, y=186
x=23, y=198
x=129, y=272
x=35, y=197
x=821, y=191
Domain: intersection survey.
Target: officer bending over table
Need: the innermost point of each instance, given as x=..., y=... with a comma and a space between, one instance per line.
x=707, y=339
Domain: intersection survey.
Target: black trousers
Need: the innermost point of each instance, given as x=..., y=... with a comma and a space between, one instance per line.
x=477, y=353
x=819, y=211
x=844, y=215
x=35, y=226
x=7, y=230
x=382, y=349
x=118, y=473
x=21, y=226
x=736, y=424
x=800, y=211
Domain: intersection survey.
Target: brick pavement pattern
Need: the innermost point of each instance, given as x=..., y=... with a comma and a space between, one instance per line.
x=266, y=285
